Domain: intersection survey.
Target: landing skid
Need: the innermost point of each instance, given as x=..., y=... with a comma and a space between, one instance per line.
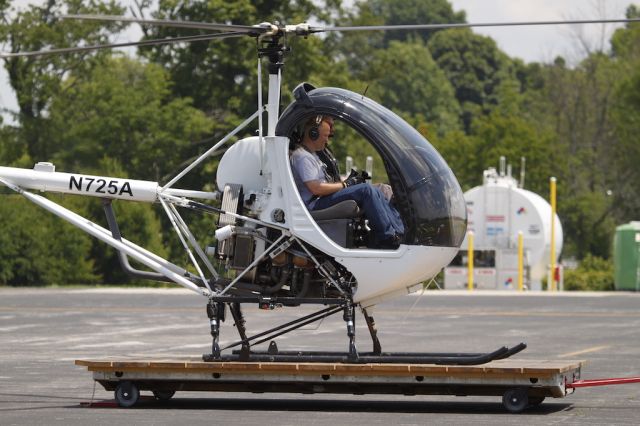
x=216, y=309
x=383, y=358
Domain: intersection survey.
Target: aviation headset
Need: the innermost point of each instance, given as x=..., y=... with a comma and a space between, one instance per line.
x=314, y=131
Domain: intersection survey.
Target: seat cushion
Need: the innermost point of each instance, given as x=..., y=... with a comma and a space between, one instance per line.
x=343, y=210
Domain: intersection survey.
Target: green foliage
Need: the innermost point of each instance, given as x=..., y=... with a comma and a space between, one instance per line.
x=626, y=118
x=358, y=47
x=624, y=42
x=593, y=274
x=36, y=80
x=405, y=12
x=499, y=134
x=400, y=12
x=587, y=151
x=207, y=71
x=458, y=149
x=38, y=248
x=406, y=79
x=586, y=218
x=220, y=76
x=125, y=112
x=10, y=147
x=475, y=67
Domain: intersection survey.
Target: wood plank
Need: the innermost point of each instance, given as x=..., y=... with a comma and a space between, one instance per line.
x=86, y=363
x=502, y=368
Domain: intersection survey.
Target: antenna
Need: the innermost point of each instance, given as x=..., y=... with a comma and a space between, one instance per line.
x=523, y=161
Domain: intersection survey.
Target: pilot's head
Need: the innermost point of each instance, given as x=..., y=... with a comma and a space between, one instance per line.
x=317, y=131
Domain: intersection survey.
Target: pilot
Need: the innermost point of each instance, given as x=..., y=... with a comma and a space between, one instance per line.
x=320, y=189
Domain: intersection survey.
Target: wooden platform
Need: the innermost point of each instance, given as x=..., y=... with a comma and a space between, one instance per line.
x=536, y=378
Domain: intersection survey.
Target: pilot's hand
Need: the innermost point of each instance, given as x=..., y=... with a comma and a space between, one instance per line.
x=353, y=179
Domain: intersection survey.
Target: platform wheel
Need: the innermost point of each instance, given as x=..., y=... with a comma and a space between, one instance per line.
x=162, y=395
x=515, y=400
x=127, y=394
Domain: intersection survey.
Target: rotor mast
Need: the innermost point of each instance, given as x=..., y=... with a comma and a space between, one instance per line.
x=274, y=51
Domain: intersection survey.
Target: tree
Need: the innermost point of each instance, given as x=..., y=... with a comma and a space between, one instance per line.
x=406, y=79
x=581, y=105
x=404, y=12
x=36, y=80
x=358, y=47
x=125, y=111
x=475, y=67
x=124, y=121
x=220, y=75
x=495, y=135
x=12, y=149
x=38, y=248
x=626, y=118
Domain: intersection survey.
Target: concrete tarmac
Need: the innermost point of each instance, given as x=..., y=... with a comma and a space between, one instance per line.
x=42, y=332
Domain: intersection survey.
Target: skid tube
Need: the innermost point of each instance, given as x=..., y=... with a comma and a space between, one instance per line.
x=383, y=358
x=273, y=354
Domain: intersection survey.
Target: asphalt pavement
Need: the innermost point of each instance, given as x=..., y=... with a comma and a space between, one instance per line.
x=42, y=332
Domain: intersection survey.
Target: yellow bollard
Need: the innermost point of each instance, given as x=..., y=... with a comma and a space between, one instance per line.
x=520, y=261
x=470, y=261
x=552, y=276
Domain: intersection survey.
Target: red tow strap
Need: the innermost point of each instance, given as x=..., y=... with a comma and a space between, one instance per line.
x=603, y=382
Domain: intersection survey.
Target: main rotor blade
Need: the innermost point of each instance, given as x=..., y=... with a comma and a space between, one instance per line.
x=202, y=37
x=468, y=25
x=170, y=23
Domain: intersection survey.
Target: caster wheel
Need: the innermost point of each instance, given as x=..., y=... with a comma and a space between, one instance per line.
x=163, y=395
x=127, y=394
x=515, y=400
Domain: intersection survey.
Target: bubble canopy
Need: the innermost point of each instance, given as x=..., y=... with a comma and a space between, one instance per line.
x=426, y=192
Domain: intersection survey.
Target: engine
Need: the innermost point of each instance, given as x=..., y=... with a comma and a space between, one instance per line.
x=285, y=272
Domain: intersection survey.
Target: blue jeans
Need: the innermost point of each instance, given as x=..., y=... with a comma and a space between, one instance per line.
x=383, y=218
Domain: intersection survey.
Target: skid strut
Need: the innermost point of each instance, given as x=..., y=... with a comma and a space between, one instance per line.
x=371, y=324
x=350, y=318
x=239, y=321
x=216, y=311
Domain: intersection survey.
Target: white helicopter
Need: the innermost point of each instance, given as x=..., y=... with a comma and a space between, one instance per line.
x=270, y=249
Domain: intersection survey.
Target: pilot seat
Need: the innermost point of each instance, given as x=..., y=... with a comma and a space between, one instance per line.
x=343, y=222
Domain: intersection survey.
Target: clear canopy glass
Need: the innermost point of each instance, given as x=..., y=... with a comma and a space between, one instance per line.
x=426, y=192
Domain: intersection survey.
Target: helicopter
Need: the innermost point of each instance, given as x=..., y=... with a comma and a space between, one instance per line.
x=269, y=248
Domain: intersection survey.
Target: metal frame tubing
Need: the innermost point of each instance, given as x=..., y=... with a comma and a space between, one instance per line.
x=105, y=236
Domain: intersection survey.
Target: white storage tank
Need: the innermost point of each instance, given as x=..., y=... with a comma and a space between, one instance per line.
x=496, y=212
